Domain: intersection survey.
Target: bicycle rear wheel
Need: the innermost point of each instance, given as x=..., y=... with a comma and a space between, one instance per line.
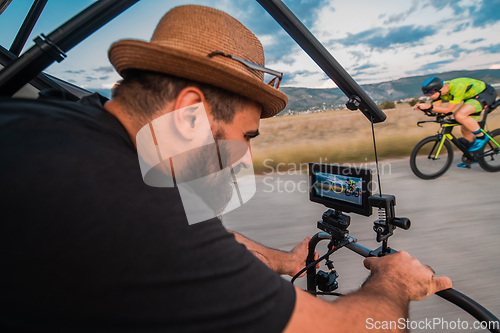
x=423, y=161
x=489, y=156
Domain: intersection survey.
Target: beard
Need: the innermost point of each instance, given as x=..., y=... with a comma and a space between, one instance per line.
x=214, y=187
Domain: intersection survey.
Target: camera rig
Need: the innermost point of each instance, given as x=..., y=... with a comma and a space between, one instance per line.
x=335, y=224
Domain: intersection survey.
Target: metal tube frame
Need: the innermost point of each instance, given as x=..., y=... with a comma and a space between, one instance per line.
x=27, y=26
x=358, y=98
x=53, y=47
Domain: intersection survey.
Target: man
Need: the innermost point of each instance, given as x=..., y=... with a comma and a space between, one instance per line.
x=475, y=96
x=88, y=246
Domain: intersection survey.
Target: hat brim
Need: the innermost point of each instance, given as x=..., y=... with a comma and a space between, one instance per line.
x=138, y=54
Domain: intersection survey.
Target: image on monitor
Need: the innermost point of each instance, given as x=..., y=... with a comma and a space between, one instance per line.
x=339, y=187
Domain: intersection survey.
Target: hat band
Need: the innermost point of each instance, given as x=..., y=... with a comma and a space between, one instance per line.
x=274, y=82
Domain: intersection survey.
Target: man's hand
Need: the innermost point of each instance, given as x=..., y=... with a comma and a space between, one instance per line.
x=395, y=280
x=422, y=106
x=405, y=275
x=298, y=257
x=281, y=262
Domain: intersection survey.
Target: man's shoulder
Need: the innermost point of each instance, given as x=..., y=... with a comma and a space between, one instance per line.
x=68, y=121
x=463, y=81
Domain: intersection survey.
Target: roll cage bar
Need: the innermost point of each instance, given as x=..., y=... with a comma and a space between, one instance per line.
x=29, y=66
x=48, y=49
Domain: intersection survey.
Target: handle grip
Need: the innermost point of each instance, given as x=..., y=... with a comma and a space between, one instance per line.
x=451, y=295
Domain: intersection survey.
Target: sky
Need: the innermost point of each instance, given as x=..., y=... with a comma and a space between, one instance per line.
x=374, y=41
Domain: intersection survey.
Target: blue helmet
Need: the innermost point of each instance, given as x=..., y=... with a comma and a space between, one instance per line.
x=432, y=85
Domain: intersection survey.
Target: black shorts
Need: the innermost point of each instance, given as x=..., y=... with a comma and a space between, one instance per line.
x=487, y=96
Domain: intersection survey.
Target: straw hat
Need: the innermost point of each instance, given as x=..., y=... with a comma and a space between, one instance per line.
x=180, y=44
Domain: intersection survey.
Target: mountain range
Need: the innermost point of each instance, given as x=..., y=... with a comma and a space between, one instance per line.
x=313, y=99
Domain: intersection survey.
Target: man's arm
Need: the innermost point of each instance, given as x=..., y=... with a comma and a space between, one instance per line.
x=285, y=263
x=395, y=280
x=436, y=107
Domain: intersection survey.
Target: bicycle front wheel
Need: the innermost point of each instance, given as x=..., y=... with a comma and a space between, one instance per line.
x=489, y=156
x=423, y=160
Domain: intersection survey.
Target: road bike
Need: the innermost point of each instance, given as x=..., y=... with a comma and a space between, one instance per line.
x=433, y=156
x=350, y=190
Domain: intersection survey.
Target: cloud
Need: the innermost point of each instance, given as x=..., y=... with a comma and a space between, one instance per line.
x=358, y=56
x=413, y=8
x=485, y=14
x=104, y=69
x=90, y=78
x=360, y=69
x=455, y=51
x=282, y=44
x=477, y=40
x=104, y=77
x=299, y=76
x=437, y=50
x=75, y=72
x=396, y=18
x=433, y=65
x=461, y=26
x=365, y=66
x=453, y=4
x=493, y=48
x=378, y=38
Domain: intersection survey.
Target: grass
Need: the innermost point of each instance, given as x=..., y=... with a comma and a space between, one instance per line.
x=340, y=137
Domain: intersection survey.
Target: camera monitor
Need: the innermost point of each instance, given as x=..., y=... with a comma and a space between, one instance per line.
x=342, y=188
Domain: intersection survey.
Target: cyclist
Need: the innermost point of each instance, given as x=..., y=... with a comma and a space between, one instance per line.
x=474, y=94
x=351, y=184
x=87, y=246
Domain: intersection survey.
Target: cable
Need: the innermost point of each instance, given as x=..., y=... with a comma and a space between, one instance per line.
x=342, y=244
x=376, y=159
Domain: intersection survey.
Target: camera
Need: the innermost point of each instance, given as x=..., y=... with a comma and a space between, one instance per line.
x=349, y=190
x=345, y=189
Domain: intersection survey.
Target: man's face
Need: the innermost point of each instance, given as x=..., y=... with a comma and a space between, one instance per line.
x=435, y=96
x=438, y=94
x=232, y=140
x=203, y=157
x=244, y=127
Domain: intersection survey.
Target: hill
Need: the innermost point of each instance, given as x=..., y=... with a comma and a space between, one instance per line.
x=310, y=99
x=341, y=136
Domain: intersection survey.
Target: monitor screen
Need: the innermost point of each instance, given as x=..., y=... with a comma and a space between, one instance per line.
x=339, y=187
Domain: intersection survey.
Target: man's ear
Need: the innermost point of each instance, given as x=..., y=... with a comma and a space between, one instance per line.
x=187, y=115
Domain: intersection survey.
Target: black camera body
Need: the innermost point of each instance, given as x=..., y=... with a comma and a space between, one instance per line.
x=349, y=190
x=342, y=188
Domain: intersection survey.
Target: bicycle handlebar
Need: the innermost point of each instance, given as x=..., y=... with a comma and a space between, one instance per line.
x=451, y=295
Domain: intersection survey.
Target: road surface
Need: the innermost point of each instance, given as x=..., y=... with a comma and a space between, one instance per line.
x=455, y=229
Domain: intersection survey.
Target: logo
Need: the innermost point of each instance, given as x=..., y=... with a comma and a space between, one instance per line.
x=214, y=176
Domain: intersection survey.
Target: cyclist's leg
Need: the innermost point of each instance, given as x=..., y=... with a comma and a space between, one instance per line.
x=469, y=138
x=462, y=115
x=467, y=134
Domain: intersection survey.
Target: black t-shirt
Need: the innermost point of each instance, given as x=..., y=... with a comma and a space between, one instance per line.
x=86, y=246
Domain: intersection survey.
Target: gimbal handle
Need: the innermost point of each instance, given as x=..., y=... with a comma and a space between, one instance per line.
x=451, y=295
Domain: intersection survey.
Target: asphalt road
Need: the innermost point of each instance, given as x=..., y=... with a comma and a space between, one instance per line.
x=455, y=229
